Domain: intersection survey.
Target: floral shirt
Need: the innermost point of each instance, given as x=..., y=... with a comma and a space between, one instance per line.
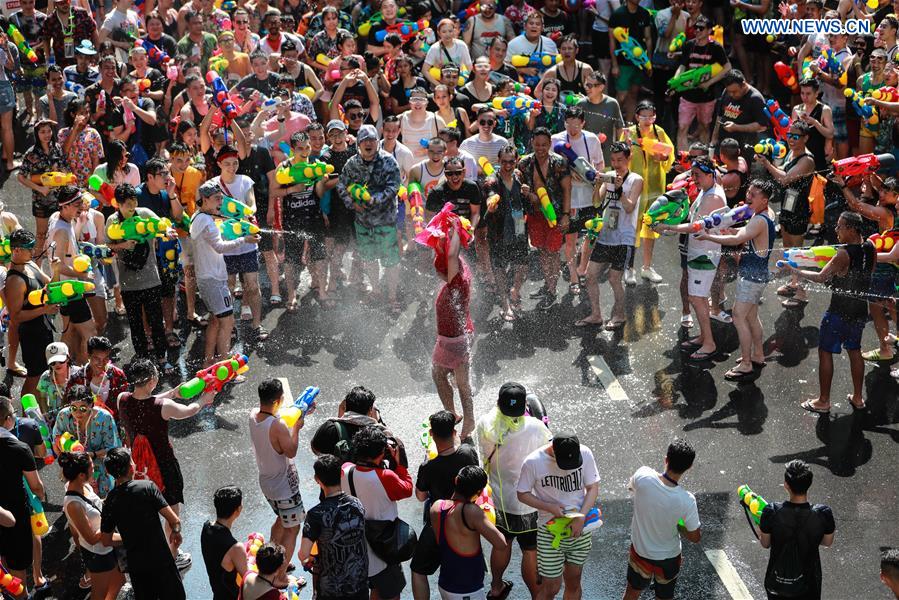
x=88, y=143
x=102, y=434
x=382, y=176
x=82, y=27
x=114, y=383
x=556, y=173
x=317, y=24
x=54, y=393
x=36, y=161
x=322, y=43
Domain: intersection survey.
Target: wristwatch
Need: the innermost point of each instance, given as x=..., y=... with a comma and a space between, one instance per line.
x=176, y=528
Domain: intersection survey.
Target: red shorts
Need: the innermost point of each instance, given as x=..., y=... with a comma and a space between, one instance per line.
x=542, y=235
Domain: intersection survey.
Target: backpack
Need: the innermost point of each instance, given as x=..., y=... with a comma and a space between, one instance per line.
x=343, y=449
x=786, y=576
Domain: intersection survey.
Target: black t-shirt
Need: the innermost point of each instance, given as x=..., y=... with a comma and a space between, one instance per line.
x=469, y=193
x=337, y=524
x=215, y=541
x=265, y=86
x=301, y=210
x=398, y=90
x=133, y=508
x=781, y=519
x=338, y=158
x=29, y=433
x=635, y=22
x=695, y=56
x=436, y=476
x=16, y=458
x=167, y=43
x=750, y=108
x=358, y=92
x=257, y=165
x=560, y=23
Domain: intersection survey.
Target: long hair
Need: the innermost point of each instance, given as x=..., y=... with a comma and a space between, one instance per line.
x=114, y=155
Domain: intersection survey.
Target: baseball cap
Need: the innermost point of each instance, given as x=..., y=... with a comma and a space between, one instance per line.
x=57, y=352
x=86, y=47
x=567, y=449
x=367, y=132
x=512, y=400
x=335, y=124
x=209, y=189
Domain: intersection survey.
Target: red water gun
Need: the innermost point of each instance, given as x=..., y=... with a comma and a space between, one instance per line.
x=861, y=165
x=214, y=377
x=154, y=54
x=886, y=94
x=780, y=122
x=884, y=242
x=11, y=584
x=787, y=77
x=684, y=160
x=686, y=184
x=105, y=190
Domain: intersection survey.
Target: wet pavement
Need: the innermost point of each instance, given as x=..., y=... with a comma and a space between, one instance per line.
x=627, y=395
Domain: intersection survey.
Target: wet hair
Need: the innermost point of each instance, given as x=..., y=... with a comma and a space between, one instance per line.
x=453, y=133
x=853, y=220
x=645, y=105
x=765, y=186
x=597, y=76
x=890, y=184
x=573, y=112
x=115, y=152
x=703, y=21
x=728, y=146
x=142, y=371
x=327, y=469
x=269, y=558
x=622, y=147
x=270, y=390
x=6, y=408
x=227, y=500
x=680, y=456
x=443, y=423
x=79, y=393
x=801, y=126
x=369, y=443
x=178, y=145
x=734, y=76
x=507, y=149
x=118, y=461
x=99, y=342
x=456, y=161
x=569, y=39
x=21, y=238
x=470, y=481
x=810, y=82
x=798, y=475
x=541, y=131
x=125, y=192
x=298, y=137
x=393, y=39
x=704, y=148
x=889, y=563
x=74, y=464
x=360, y=399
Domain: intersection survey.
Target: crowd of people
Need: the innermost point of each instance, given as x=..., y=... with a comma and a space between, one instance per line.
x=176, y=149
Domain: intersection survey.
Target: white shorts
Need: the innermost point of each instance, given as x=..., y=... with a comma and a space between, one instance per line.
x=699, y=282
x=216, y=296
x=480, y=594
x=187, y=251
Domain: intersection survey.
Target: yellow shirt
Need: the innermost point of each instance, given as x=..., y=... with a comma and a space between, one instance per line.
x=654, y=173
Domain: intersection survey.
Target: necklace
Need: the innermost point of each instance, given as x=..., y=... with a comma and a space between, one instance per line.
x=665, y=475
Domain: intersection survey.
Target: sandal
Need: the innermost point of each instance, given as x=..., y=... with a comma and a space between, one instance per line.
x=614, y=325
x=794, y=303
x=585, y=323
x=686, y=321
x=173, y=340
x=734, y=375
x=509, y=316
x=261, y=333
x=574, y=288
x=863, y=406
x=17, y=370
x=874, y=356
x=786, y=290
x=507, y=589
x=292, y=306
x=275, y=300
x=198, y=321
x=702, y=356
x=807, y=405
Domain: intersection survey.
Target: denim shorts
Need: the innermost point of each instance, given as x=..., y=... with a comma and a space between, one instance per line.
x=840, y=132
x=837, y=333
x=7, y=97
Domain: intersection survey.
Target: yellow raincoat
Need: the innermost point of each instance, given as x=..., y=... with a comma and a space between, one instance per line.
x=653, y=172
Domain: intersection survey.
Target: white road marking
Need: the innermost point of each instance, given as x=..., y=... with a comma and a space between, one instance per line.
x=288, y=395
x=608, y=380
x=728, y=575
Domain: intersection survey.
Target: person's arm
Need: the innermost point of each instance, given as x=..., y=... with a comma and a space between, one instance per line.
x=632, y=200
x=374, y=109
x=174, y=522
x=78, y=520
x=714, y=203
x=288, y=439
x=476, y=516
x=827, y=540
x=838, y=265
x=15, y=296
x=34, y=482
x=305, y=551
x=205, y=139
x=397, y=482
x=753, y=230
x=591, y=492
x=7, y=519
x=533, y=501
x=212, y=236
x=452, y=255
x=173, y=410
x=147, y=116
x=803, y=167
x=337, y=97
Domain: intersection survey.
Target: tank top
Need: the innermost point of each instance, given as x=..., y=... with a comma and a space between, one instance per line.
x=703, y=254
x=752, y=266
x=626, y=231
x=849, y=298
x=274, y=469
x=800, y=187
x=428, y=181
x=576, y=85
x=216, y=540
x=459, y=573
x=412, y=135
x=40, y=324
x=57, y=224
x=816, y=140
x=739, y=196
x=452, y=304
x=92, y=505
x=144, y=417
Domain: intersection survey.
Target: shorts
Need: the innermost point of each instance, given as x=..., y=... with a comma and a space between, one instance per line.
x=792, y=223
x=100, y=286
x=290, y=511
x=509, y=254
x=520, y=527
x=578, y=222
x=701, y=111
x=840, y=132
x=480, y=594
x=15, y=543
x=33, y=342
x=341, y=230
x=378, y=243
x=426, y=559
x=642, y=571
x=248, y=262
x=572, y=551
x=451, y=352
x=542, y=236
x=699, y=280
x=216, y=295
x=749, y=292
x=41, y=206
x=99, y=563
x=836, y=332
x=629, y=76
x=616, y=256
x=295, y=245
x=187, y=251
x=7, y=98
x=883, y=287
x=390, y=582
x=167, y=283
x=33, y=78
x=78, y=312
x=266, y=241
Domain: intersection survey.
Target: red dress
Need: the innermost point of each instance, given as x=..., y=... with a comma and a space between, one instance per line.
x=454, y=326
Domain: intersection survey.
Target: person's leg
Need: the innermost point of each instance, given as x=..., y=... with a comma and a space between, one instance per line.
x=37, y=552
x=529, y=571
x=372, y=270
x=290, y=282
x=584, y=260
x=30, y=385
x=190, y=291
x=273, y=272
x=83, y=332
x=519, y=275
x=648, y=245
x=134, y=311
x=41, y=225
x=463, y=382
x=755, y=326
x=744, y=334
x=572, y=578
x=209, y=344
x=499, y=562
x=881, y=327
x=857, y=368
x=440, y=375
x=153, y=310
x=825, y=379
x=482, y=248
x=9, y=142
x=226, y=329
x=106, y=585
x=98, y=310
x=549, y=263
x=176, y=508
x=277, y=533
x=593, y=271
x=617, y=285
x=550, y=587
x=700, y=306
x=684, y=296
x=12, y=339
x=252, y=296
x=392, y=276
x=571, y=257
x=168, y=314
x=502, y=289
x=289, y=541
x=794, y=241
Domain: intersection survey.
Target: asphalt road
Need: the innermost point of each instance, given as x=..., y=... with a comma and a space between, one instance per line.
x=626, y=395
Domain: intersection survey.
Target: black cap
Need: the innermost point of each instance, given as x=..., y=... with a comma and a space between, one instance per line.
x=512, y=400
x=567, y=449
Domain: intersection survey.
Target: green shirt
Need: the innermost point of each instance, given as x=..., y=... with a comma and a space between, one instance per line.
x=188, y=47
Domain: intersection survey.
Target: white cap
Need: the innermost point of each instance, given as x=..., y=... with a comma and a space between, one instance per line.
x=57, y=352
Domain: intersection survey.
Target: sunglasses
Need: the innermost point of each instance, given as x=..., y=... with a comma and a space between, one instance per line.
x=355, y=115
x=486, y=122
x=704, y=168
x=794, y=136
x=242, y=22
x=453, y=173
x=418, y=100
x=81, y=409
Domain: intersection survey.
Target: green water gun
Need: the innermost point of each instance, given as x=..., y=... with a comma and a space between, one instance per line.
x=754, y=503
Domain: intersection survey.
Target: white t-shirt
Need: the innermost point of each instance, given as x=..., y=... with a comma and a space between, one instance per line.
x=478, y=148
x=657, y=509
x=238, y=189
x=209, y=247
x=541, y=476
x=587, y=146
x=266, y=46
x=505, y=463
x=129, y=21
x=404, y=158
x=521, y=45
x=458, y=55
x=92, y=509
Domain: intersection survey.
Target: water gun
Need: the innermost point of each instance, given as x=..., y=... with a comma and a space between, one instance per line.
x=437, y=230
x=427, y=442
x=684, y=161
x=19, y=40
x=214, y=377
x=485, y=501
x=365, y=26
x=33, y=411
x=780, y=122
x=220, y=96
x=580, y=165
x=693, y=77
x=167, y=252
x=97, y=251
x=717, y=35
x=685, y=185
x=754, y=503
x=670, y=208
x=866, y=112
x=359, y=193
x=251, y=547
x=437, y=74
x=787, y=77
x=5, y=250
x=75, y=88
x=333, y=71
x=570, y=99
x=469, y=12
x=546, y=207
x=155, y=55
x=406, y=31
x=143, y=85
x=302, y=406
x=651, y=146
x=630, y=49
x=303, y=172
x=560, y=527
x=815, y=257
x=105, y=189
x=139, y=229
x=492, y=202
x=828, y=63
x=292, y=591
x=414, y=200
x=724, y=218
x=234, y=209
x=677, y=43
x=593, y=227
x=886, y=94
x=39, y=525
x=10, y=584
x=53, y=179
x=486, y=167
x=863, y=164
x=219, y=64
x=68, y=443
x=540, y=60
x=519, y=88
x=234, y=229
x=81, y=263
x=884, y=242
x=61, y=292
x=770, y=148
x=516, y=105
x=225, y=5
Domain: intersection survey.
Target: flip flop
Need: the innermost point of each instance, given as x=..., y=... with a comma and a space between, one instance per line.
x=507, y=589
x=586, y=323
x=874, y=356
x=614, y=325
x=794, y=303
x=734, y=375
x=864, y=406
x=690, y=345
x=702, y=356
x=807, y=405
x=757, y=365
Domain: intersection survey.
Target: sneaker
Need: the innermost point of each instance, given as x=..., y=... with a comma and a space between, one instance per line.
x=539, y=293
x=650, y=274
x=722, y=317
x=238, y=292
x=630, y=277
x=546, y=302
x=183, y=560
x=245, y=313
